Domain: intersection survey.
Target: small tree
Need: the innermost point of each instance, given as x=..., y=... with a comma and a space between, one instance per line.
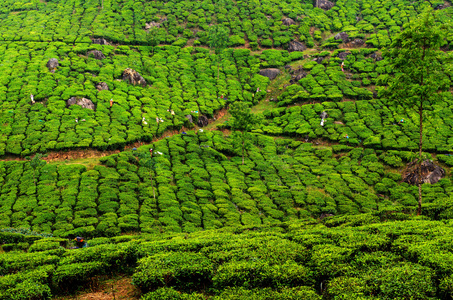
x=218, y=39
x=419, y=75
x=36, y=163
x=242, y=120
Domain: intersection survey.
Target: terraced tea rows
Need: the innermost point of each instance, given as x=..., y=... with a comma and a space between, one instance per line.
x=200, y=183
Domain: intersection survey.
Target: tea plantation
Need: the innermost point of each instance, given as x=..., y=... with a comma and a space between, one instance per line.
x=311, y=203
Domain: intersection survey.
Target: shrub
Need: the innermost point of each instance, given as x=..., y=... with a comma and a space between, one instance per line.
x=183, y=270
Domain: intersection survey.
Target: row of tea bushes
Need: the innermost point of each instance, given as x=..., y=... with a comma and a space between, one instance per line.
x=325, y=81
x=372, y=123
x=198, y=182
x=181, y=82
x=258, y=23
x=348, y=256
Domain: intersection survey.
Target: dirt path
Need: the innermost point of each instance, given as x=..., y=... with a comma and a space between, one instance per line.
x=113, y=289
x=86, y=154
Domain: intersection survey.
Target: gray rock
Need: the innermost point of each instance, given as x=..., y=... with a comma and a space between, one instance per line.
x=288, y=21
x=342, y=36
x=298, y=75
x=189, y=117
x=84, y=102
x=151, y=24
x=343, y=55
x=325, y=4
x=358, y=42
x=52, y=64
x=100, y=41
x=202, y=121
x=102, y=86
x=96, y=54
x=376, y=56
x=133, y=77
x=431, y=173
x=271, y=73
x=296, y=46
x=318, y=59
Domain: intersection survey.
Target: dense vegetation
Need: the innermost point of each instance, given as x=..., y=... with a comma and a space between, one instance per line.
x=351, y=257
x=292, y=207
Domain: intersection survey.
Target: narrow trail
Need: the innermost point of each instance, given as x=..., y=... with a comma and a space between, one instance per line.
x=89, y=153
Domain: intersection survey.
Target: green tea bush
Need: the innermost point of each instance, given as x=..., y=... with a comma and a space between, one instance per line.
x=183, y=270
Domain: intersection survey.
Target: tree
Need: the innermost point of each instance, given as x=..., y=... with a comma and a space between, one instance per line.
x=419, y=71
x=242, y=120
x=36, y=163
x=218, y=39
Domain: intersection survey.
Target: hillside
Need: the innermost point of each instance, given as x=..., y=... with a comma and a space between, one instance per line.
x=116, y=127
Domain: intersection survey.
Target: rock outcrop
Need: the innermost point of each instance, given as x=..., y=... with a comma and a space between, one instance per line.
x=100, y=41
x=271, y=73
x=357, y=42
x=318, y=59
x=133, y=77
x=52, y=64
x=151, y=24
x=296, y=46
x=343, y=55
x=84, y=102
x=342, y=36
x=431, y=173
x=288, y=22
x=96, y=54
x=297, y=75
x=202, y=121
x=324, y=4
x=102, y=86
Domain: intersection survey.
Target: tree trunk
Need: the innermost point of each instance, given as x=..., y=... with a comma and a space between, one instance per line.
x=420, y=144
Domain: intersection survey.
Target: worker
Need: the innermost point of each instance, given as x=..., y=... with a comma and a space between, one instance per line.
x=111, y=102
x=80, y=243
x=32, y=99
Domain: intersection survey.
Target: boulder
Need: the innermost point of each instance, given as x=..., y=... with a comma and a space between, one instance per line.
x=342, y=36
x=271, y=73
x=318, y=59
x=102, y=86
x=325, y=4
x=151, y=24
x=52, y=64
x=296, y=46
x=376, y=56
x=133, y=77
x=298, y=75
x=358, y=42
x=100, y=41
x=288, y=22
x=343, y=55
x=84, y=102
x=431, y=173
x=189, y=117
x=96, y=54
x=202, y=121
